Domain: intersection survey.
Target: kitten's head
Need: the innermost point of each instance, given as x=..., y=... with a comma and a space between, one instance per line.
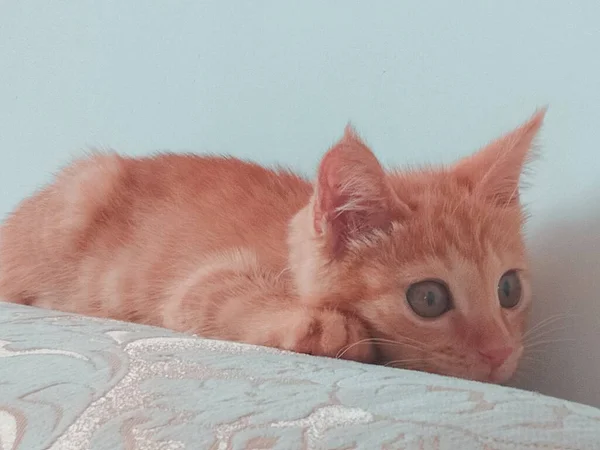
x=432, y=261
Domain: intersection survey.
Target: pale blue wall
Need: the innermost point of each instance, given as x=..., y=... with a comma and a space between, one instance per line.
x=424, y=81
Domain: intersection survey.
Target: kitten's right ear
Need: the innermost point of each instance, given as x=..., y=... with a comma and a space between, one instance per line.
x=352, y=195
x=495, y=171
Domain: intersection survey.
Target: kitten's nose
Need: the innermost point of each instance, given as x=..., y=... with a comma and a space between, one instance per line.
x=496, y=356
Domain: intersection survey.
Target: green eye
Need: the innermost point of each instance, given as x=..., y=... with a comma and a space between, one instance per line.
x=509, y=289
x=428, y=299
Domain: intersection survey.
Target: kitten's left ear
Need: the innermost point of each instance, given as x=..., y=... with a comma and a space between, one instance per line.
x=495, y=170
x=352, y=194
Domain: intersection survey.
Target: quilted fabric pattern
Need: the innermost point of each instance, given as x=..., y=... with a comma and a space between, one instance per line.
x=75, y=383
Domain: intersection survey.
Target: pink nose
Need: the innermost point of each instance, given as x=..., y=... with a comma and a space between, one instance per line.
x=496, y=356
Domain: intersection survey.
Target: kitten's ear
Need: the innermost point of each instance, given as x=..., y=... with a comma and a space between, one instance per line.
x=352, y=195
x=495, y=170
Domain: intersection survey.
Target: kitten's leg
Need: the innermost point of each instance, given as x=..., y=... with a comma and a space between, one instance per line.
x=233, y=300
x=312, y=331
x=315, y=332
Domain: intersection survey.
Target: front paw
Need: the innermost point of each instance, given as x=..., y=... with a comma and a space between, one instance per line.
x=327, y=333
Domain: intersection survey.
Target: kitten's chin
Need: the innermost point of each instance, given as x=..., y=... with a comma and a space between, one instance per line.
x=500, y=376
x=504, y=373
x=483, y=374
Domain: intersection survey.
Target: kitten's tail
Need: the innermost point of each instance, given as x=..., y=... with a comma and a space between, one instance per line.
x=44, y=236
x=82, y=192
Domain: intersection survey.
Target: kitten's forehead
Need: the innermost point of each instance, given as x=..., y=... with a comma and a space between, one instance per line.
x=455, y=265
x=455, y=236
x=473, y=282
x=448, y=219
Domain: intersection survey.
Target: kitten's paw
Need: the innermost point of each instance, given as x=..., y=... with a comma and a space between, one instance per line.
x=327, y=333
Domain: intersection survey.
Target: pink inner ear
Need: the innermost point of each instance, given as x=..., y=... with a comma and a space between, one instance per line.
x=352, y=195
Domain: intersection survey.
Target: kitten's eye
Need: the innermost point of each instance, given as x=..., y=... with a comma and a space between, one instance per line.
x=509, y=289
x=428, y=298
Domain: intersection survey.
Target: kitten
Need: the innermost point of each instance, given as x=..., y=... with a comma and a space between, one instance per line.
x=418, y=269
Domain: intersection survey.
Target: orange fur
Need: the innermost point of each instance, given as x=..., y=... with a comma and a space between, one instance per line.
x=232, y=250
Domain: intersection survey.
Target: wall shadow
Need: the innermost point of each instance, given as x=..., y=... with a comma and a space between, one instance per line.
x=565, y=256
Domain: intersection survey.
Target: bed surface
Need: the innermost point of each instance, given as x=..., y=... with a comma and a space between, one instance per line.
x=69, y=382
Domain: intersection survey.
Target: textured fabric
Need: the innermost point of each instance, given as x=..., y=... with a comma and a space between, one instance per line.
x=68, y=382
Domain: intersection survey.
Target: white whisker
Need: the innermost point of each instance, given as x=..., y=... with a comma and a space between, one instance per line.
x=543, y=333
x=400, y=362
x=549, y=341
x=405, y=343
x=544, y=323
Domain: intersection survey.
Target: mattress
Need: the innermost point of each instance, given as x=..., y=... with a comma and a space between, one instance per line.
x=73, y=383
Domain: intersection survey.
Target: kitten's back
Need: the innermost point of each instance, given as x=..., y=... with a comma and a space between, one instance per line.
x=154, y=217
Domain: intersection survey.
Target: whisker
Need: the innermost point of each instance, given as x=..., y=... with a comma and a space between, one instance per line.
x=549, y=341
x=402, y=340
x=544, y=323
x=543, y=326
x=535, y=351
x=345, y=349
x=407, y=343
x=406, y=361
x=545, y=332
x=532, y=359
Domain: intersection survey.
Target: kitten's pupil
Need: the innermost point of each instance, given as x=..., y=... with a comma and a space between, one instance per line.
x=509, y=289
x=506, y=288
x=430, y=298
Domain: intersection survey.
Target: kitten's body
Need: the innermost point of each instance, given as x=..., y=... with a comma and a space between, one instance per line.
x=195, y=244
x=232, y=250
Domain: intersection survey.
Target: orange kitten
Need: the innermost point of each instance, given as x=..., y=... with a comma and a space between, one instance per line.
x=419, y=269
